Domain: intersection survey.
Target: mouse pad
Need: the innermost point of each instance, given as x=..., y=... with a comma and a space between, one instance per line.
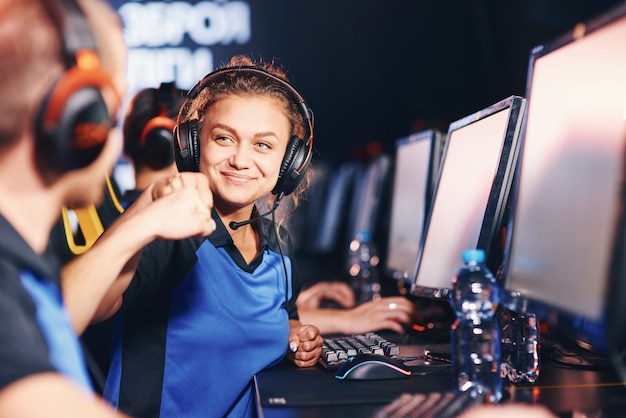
x=287, y=385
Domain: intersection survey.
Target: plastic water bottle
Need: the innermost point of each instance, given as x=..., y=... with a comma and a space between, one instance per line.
x=362, y=266
x=475, y=335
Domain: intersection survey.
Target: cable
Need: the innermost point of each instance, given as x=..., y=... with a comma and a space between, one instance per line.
x=444, y=358
x=280, y=250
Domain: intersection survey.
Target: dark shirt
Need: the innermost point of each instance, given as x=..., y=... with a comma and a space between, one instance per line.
x=35, y=332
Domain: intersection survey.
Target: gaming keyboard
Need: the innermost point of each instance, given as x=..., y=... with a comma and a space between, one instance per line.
x=428, y=405
x=337, y=350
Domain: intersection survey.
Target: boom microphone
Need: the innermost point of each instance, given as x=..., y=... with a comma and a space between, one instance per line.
x=236, y=225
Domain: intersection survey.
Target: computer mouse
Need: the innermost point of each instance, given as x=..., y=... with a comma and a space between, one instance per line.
x=372, y=367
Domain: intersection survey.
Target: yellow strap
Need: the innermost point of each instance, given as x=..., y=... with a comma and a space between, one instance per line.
x=113, y=195
x=89, y=222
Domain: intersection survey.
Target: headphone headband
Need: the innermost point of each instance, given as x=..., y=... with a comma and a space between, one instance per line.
x=165, y=94
x=307, y=114
x=72, y=27
x=76, y=34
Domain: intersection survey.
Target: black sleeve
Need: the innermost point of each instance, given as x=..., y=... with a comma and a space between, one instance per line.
x=296, y=285
x=286, y=249
x=162, y=266
x=23, y=349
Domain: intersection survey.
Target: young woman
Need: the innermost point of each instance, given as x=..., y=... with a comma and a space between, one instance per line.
x=202, y=316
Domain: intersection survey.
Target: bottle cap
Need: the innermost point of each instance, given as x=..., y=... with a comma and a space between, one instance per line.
x=363, y=236
x=476, y=255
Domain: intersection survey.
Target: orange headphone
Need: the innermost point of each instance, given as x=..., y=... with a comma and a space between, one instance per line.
x=73, y=121
x=156, y=141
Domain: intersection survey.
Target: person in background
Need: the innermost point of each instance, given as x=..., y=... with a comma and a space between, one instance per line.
x=148, y=135
x=225, y=303
x=387, y=313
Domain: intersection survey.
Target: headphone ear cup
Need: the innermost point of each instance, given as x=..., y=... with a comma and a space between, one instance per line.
x=293, y=167
x=157, y=150
x=186, y=149
x=72, y=125
x=157, y=139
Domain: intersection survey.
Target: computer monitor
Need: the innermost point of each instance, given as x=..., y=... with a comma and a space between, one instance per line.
x=568, y=191
x=415, y=173
x=369, y=181
x=471, y=194
x=328, y=207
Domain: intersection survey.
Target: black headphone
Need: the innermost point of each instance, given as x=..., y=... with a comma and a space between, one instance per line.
x=73, y=121
x=156, y=141
x=299, y=150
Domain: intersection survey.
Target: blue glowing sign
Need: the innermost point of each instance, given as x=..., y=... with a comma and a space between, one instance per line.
x=173, y=40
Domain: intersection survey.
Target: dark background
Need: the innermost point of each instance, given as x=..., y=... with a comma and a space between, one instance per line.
x=379, y=70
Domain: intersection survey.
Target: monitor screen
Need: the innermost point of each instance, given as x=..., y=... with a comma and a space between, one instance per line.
x=330, y=210
x=471, y=194
x=567, y=194
x=415, y=172
x=366, y=197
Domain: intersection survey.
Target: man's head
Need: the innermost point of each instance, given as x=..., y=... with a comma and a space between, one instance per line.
x=74, y=118
x=148, y=127
x=58, y=98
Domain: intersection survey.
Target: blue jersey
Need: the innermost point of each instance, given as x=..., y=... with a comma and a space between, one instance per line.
x=198, y=323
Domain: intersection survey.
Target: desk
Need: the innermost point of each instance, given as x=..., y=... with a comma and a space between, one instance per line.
x=288, y=392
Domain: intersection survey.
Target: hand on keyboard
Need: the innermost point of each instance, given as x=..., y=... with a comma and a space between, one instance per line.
x=394, y=313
